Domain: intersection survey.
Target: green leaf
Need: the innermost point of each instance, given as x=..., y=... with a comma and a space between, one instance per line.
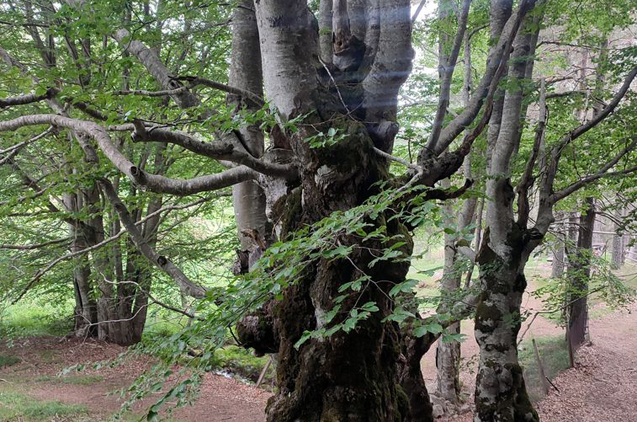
x=304, y=337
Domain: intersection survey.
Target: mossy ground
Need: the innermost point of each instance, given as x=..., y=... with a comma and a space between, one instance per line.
x=242, y=363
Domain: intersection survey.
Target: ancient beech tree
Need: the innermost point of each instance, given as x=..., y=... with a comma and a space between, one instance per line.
x=325, y=91
x=347, y=87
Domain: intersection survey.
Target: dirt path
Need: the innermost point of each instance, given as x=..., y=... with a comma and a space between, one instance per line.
x=42, y=359
x=602, y=387
x=603, y=384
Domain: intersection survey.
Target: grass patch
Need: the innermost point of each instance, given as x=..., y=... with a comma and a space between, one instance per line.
x=19, y=407
x=36, y=318
x=8, y=360
x=241, y=362
x=73, y=379
x=554, y=355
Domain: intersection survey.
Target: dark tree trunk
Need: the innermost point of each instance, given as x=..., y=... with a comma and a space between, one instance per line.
x=410, y=377
x=581, y=272
x=85, y=306
x=337, y=378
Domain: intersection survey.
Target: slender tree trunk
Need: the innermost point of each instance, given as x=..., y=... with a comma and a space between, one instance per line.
x=571, y=241
x=85, y=306
x=618, y=252
x=578, y=310
x=245, y=73
x=448, y=354
x=557, y=268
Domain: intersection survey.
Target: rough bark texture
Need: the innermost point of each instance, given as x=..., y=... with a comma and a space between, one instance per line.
x=500, y=393
x=500, y=390
x=336, y=378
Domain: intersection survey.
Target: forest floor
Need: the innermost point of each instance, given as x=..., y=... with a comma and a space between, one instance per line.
x=601, y=387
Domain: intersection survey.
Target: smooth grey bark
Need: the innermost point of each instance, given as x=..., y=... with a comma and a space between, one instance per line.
x=156, y=67
x=571, y=242
x=618, y=250
x=448, y=355
x=325, y=30
x=248, y=197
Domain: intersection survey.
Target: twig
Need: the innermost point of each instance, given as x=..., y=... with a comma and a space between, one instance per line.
x=338, y=91
x=396, y=159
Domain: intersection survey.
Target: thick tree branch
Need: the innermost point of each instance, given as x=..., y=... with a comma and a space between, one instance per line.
x=218, y=151
x=603, y=172
x=36, y=245
x=526, y=181
x=27, y=98
x=447, y=65
x=152, y=182
x=156, y=67
x=246, y=95
x=580, y=130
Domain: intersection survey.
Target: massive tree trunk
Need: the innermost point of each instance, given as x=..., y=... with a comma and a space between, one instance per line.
x=580, y=275
x=338, y=377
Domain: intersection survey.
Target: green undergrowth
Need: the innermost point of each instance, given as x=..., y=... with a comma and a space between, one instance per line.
x=8, y=360
x=33, y=318
x=18, y=407
x=554, y=355
x=239, y=361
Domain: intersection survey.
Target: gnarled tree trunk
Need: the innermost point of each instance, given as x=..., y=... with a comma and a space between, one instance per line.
x=338, y=377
